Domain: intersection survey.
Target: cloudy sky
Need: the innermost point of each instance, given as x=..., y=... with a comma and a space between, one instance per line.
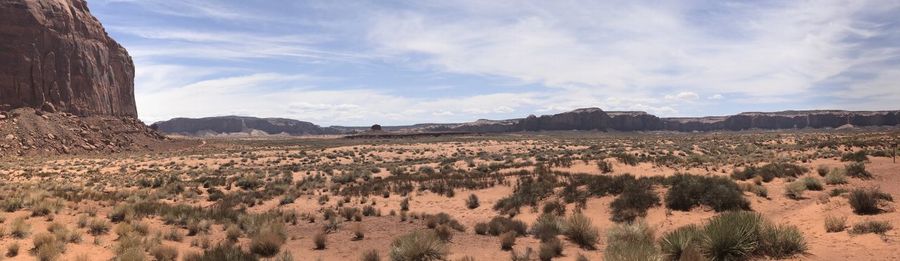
x=401, y=62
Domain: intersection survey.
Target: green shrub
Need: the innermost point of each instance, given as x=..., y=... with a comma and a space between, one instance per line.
x=720, y=193
x=580, y=230
x=418, y=245
x=499, y=225
x=866, y=201
x=681, y=242
x=857, y=170
x=781, y=241
x=835, y=224
x=633, y=202
x=877, y=227
x=554, y=207
x=481, y=228
x=732, y=236
x=836, y=176
x=631, y=241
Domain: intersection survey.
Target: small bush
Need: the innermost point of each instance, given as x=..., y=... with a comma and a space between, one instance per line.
x=47, y=246
x=836, y=176
x=319, y=240
x=370, y=255
x=230, y=252
x=554, y=207
x=98, y=226
x=857, y=170
x=794, y=190
x=877, y=227
x=580, y=230
x=859, y=156
x=866, y=201
x=681, y=242
x=507, y=240
x=770, y=171
x=472, y=202
x=499, y=225
x=812, y=183
x=12, y=250
x=781, y=241
x=266, y=243
x=633, y=202
x=604, y=166
x=732, y=235
x=719, y=193
x=550, y=249
x=164, y=253
x=418, y=245
x=632, y=241
x=547, y=226
x=835, y=224
x=822, y=170
x=481, y=228
x=19, y=228
x=358, y=232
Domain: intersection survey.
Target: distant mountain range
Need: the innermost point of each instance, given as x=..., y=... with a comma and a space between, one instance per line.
x=580, y=119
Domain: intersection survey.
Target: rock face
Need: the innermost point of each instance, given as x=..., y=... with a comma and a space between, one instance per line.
x=237, y=124
x=54, y=55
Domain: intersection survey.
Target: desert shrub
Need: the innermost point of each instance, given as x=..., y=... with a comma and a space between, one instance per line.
x=164, y=253
x=794, y=190
x=781, y=241
x=550, y=249
x=770, y=171
x=871, y=226
x=358, y=232
x=547, y=226
x=266, y=243
x=47, y=246
x=732, y=236
x=443, y=218
x=319, y=240
x=812, y=183
x=554, y=207
x=228, y=252
x=681, y=243
x=859, y=156
x=443, y=232
x=174, y=235
x=631, y=241
x=857, y=170
x=19, y=228
x=121, y=212
x=720, y=193
x=499, y=225
x=633, y=202
x=507, y=240
x=404, y=204
x=835, y=224
x=472, y=202
x=12, y=250
x=866, y=201
x=370, y=255
x=418, y=245
x=836, y=176
x=481, y=228
x=604, y=166
x=524, y=256
x=232, y=233
x=837, y=192
x=580, y=230
x=98, y=226
x=822, y=170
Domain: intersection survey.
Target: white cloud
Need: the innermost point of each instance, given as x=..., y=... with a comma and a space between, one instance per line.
x=715, y=97
x=683, y=96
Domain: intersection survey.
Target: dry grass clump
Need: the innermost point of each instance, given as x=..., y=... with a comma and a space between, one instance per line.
x=631, y=241
x=835, y=224
x=164, y=253
x=418, y=245
x=871, y=226
x=580, y=230
x=867, y=201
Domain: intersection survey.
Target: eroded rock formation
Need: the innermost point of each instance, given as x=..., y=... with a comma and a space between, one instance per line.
x=55, y=55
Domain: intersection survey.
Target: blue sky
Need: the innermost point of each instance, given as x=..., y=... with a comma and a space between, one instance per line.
x=402, y=62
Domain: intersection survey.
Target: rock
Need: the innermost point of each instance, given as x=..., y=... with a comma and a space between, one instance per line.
x=237, y=124
x=55, y=55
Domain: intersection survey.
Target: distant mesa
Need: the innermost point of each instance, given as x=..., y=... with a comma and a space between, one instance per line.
x=586, y=119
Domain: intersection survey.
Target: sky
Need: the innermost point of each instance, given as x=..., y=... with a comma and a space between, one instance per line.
x=403, y=62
